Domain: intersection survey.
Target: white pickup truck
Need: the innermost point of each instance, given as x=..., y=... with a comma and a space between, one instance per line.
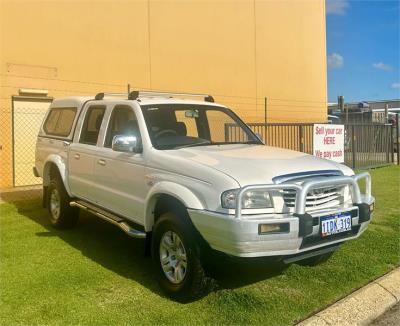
x=191, y=178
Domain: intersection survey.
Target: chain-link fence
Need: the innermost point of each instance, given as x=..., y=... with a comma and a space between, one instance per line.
x=20, y=125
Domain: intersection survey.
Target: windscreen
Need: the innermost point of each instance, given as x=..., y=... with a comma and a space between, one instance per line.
x=173, y=126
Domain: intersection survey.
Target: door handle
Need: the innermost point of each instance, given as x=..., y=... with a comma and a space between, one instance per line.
x=101, y=162
x=77, y=156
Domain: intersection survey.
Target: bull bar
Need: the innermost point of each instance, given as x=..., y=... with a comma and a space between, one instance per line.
x=302, y=190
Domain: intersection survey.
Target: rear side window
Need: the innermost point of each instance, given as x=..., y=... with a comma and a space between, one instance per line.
x=59, y=121
x=92, y=124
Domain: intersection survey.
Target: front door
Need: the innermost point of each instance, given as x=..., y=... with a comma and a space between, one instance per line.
x=119, y=177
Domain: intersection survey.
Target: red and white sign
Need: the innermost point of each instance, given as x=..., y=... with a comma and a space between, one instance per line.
x=329, y=142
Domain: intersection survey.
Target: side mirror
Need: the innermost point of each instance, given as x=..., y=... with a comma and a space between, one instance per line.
x=129, y=144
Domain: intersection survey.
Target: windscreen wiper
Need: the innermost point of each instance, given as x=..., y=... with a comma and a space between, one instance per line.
x=250, y=142
x=256, y=142
x=194, y=144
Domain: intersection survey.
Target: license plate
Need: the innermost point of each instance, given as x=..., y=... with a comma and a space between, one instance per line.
x=336, y=223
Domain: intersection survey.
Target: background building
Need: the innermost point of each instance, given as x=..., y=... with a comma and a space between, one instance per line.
x=383, y=111
x=238, y=51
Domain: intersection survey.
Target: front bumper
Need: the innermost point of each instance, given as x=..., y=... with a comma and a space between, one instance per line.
x=238, y=234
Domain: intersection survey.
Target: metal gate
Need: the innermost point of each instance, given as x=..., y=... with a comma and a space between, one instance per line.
x=366, y=145
x=27, y=115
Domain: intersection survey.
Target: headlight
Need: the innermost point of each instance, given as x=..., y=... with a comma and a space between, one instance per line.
x=250, y=199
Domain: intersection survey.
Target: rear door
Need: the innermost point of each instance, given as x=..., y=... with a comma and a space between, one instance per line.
x=82, y=153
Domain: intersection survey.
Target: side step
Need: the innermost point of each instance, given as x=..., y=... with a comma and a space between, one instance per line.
x=109, y=217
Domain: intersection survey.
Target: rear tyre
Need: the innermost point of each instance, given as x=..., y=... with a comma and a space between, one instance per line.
x=176, y=256
x=61, y=214
x=316, y=260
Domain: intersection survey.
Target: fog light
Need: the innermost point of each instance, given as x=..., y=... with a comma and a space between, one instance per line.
x=273, y=228
x=371, y=207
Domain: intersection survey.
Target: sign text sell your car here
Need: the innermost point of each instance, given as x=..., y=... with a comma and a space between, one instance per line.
x=329, y=142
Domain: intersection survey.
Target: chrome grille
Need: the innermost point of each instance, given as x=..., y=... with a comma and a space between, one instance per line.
x=316, y=198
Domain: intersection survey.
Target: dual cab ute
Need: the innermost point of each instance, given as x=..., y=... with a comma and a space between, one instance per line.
x=191, y=177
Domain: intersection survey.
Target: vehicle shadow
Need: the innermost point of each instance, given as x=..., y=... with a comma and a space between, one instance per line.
x=233, y=272
x=111, y=248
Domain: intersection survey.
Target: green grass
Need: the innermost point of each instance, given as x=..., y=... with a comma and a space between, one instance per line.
x=95, y=274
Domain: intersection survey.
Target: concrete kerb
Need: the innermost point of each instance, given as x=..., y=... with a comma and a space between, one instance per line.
x=362, y=306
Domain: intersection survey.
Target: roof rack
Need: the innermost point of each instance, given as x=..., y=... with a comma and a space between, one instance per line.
x=100, y=96
x=134, y=95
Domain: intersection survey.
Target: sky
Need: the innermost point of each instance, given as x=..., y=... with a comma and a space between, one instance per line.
x=363, y=49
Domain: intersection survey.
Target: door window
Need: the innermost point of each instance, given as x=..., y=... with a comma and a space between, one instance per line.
x=122, y=122
x=92, y=124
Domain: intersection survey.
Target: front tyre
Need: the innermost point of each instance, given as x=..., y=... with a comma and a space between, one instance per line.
x=177, y=259
x=61, y=214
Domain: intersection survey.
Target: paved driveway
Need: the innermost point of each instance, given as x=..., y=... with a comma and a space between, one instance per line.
x=390, y=318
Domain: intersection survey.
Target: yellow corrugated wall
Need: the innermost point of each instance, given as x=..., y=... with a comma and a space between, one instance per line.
x=239, y=51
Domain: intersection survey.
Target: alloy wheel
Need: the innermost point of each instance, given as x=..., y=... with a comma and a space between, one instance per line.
x=173, y=257
x=55, y=204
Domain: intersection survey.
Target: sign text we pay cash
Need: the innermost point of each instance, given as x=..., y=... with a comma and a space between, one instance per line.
x=329, y=135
